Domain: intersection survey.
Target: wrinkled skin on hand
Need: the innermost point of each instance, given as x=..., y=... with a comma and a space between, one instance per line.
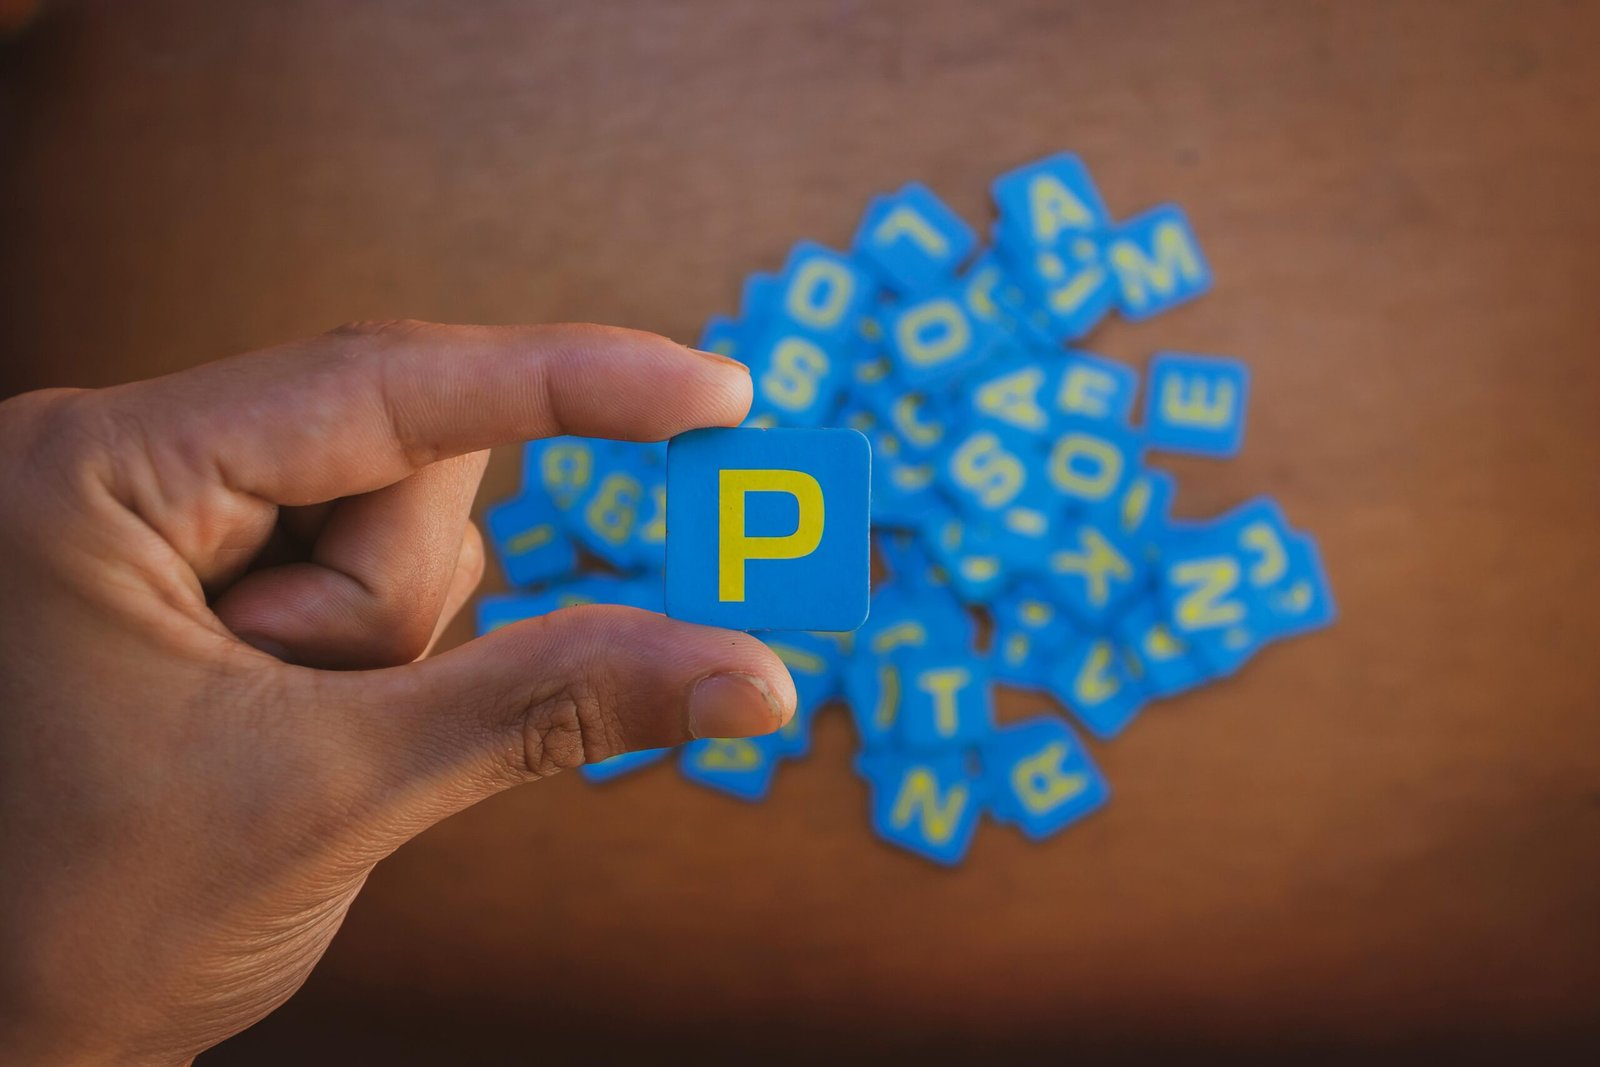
x=217, y=713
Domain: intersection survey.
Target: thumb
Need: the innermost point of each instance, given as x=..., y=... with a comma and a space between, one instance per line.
x=576, y=686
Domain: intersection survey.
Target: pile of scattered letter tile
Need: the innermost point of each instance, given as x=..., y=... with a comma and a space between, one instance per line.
x=1021, y=537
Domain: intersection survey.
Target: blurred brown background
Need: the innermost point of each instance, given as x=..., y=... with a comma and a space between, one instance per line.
x=1383, y=839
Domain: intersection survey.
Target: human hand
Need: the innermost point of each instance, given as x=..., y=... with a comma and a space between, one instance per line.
x=215, y=590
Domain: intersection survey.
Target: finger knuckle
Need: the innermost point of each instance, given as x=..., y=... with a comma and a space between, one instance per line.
x=567, y=729
x=60, y=439
x=386, y=329
x=54, y=420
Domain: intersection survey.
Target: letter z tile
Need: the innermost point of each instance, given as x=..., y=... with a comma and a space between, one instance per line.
x=768, y=529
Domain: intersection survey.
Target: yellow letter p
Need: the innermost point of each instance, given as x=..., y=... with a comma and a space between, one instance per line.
x=734, y=546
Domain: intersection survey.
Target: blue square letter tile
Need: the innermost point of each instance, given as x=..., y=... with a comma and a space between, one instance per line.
x=1196, y=404
x=767, y=529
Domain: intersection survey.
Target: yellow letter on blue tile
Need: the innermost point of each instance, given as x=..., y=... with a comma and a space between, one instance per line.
x=768, y=529
x=1196, y=404
x=913, y=239
x=927, y=806
x=1156, y=262
x=1040, y=777
x=529, y=539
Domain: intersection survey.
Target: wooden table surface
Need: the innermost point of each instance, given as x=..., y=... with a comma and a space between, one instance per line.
x=1384, y=837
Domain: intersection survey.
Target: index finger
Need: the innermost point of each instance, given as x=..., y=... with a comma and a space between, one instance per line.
x=364, y=406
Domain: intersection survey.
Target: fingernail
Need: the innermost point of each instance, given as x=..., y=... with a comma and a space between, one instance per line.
x=718, y=357
x=732, y=705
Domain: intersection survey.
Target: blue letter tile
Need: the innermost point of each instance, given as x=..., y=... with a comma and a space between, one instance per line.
x=1196, y=404
x=928, y=806
x=738, y=766
x=1040, y=777
x=529, y=540
x=767, y=529
x=913, y=239
x=1157, y=262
